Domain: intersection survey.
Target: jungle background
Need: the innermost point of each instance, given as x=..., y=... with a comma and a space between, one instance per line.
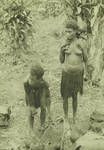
x=34, y=31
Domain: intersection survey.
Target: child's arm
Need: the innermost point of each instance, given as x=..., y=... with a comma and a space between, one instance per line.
x=62, y=54
x=45, y=94
x=85, y=58
x=27, y=92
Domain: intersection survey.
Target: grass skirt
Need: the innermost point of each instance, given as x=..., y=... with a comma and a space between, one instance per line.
x=71, y=83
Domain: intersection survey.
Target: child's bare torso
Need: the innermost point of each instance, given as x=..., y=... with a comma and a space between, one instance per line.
x=73, y=57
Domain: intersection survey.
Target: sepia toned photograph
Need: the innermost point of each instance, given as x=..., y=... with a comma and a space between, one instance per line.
x=51, y=74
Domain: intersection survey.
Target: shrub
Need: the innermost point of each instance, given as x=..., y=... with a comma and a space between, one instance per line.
x=17, y=23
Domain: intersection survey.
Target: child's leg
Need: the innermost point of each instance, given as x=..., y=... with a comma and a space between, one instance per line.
x=43, y=115
x=43, y=108
x=74, y=105
x=65, y=107
x=30, y=119
x=48, y=108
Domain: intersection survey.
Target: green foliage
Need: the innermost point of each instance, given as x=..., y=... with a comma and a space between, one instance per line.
x=51, y=8
x=90, y=11
x=70, y=7
x=17, y=22
x=86, y=9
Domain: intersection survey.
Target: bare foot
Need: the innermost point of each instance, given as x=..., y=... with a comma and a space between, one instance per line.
x=42, y=129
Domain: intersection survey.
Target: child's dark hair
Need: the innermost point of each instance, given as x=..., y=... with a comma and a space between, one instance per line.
x=72, y=24
x=37, y=70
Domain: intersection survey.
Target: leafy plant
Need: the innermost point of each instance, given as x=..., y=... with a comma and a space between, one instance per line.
x=17, y=22
x=51, y=8
x=90, y=11
x=70, y=7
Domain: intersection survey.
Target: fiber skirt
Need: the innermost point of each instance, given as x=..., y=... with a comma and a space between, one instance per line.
x=71, y=83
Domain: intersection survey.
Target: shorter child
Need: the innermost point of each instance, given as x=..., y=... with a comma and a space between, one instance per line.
x=37, y=94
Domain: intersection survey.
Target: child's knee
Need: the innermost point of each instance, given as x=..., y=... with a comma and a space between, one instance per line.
x=31, y=112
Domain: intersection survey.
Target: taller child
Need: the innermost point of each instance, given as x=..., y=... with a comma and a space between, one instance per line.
x=73, y=57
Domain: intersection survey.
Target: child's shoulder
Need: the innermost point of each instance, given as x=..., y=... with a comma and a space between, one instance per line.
x=26, y=80
x=46, y=88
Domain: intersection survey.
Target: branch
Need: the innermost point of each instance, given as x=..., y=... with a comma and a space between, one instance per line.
x=88, y=4
x=68, y=3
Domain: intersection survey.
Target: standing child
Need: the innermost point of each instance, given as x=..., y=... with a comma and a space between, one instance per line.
x=73, y=57
x=37, y=95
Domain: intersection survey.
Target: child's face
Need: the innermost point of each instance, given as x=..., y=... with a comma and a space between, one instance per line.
x=33, y=77
x=69, y=32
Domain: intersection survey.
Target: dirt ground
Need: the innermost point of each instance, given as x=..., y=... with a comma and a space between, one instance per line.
x=45, y=48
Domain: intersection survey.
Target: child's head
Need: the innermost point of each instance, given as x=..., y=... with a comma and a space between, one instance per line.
x=71, y=26
x=36, y=71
